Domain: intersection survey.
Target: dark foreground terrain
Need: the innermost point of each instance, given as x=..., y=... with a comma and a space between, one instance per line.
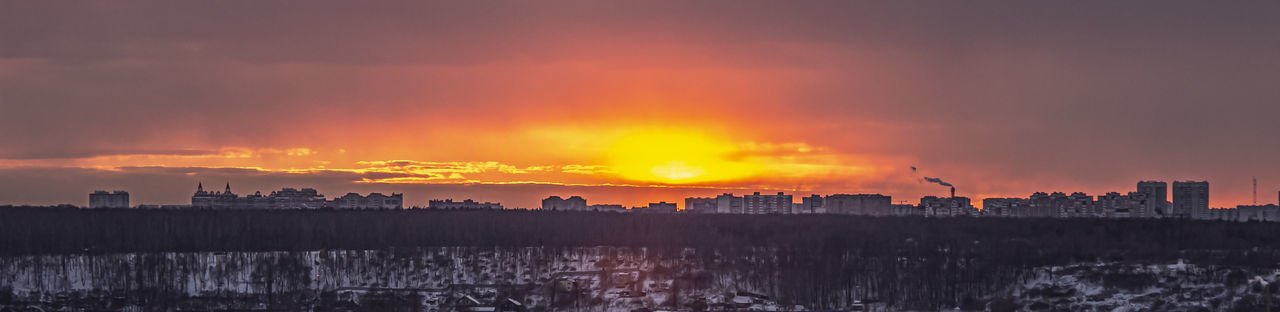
x=92, y=260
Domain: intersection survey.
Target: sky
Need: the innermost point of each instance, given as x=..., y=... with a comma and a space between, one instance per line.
x=636, y=102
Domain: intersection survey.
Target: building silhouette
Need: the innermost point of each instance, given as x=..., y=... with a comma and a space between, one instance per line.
x=811, y=204
x=555, y=203
x=1115, y=205
x=1190, y=199
x=291, y=198
x=658, y=207
x=858, y=204
x=766, y=204
x=1078, y=205
x=103, y=199
x=1005, y=207
x=700, y=205
x=727, y=203
x=608, y=208
x=947, y=206
x=466, y=204
x=1157, y=199
x=372, y=201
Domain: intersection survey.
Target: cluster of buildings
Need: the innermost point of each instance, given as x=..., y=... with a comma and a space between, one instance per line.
x=286, y=198
x=747, y=204
x=781, y=203
x=756, y=203
x=1150, y=199
x=467, y=204
x=577, y=203
x=291, y=198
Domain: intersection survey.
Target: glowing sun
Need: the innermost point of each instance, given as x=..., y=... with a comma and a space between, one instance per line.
x=677, y=157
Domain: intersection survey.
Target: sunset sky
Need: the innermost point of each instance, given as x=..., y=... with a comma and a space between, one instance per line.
x=636, y=102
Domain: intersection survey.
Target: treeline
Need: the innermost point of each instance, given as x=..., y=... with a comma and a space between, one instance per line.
x=1019, y=242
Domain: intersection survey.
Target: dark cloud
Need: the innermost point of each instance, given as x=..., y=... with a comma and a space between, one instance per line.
x=71, y=152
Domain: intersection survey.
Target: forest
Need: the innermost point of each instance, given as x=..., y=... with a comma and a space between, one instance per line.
x=815, y=260
x=1018, y=242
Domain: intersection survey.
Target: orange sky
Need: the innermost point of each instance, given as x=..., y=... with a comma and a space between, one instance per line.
x=633, y=103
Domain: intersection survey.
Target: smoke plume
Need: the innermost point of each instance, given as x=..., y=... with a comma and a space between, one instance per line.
x=938, y=181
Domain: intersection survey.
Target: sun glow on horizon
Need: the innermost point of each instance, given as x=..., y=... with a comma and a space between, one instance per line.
x=677, y=157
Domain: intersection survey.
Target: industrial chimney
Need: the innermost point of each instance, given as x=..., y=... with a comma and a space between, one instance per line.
x=953, y=192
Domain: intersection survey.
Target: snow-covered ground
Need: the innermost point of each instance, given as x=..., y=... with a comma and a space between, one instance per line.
x=598, y=279
x=436, y=276
x=1134, y=287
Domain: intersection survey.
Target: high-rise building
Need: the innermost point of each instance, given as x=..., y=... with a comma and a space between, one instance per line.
x=103, y=199
x=1190, y=198
x=607, y=208
x=766, y=204
x=727, y=203
x=1156, y=198
x=859, y=204
x=555, y=203
x=700, y=205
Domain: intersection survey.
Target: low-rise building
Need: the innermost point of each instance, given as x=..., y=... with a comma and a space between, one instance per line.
x=1223, y=214
x=858, y=204
x=291, y=198
x=1269, y=213
x=658, y=207
x=906, y=210
x=700, y=205
x=555, y=203
x=371, y=201
x=608, y=208
x=103, y=199
x=466, y=204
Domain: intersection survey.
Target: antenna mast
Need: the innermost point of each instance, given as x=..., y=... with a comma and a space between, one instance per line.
x=1255, y=191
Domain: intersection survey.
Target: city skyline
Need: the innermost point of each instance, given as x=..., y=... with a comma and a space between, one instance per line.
x=1155, y=201
x=636, y=103
x=1148, y=199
